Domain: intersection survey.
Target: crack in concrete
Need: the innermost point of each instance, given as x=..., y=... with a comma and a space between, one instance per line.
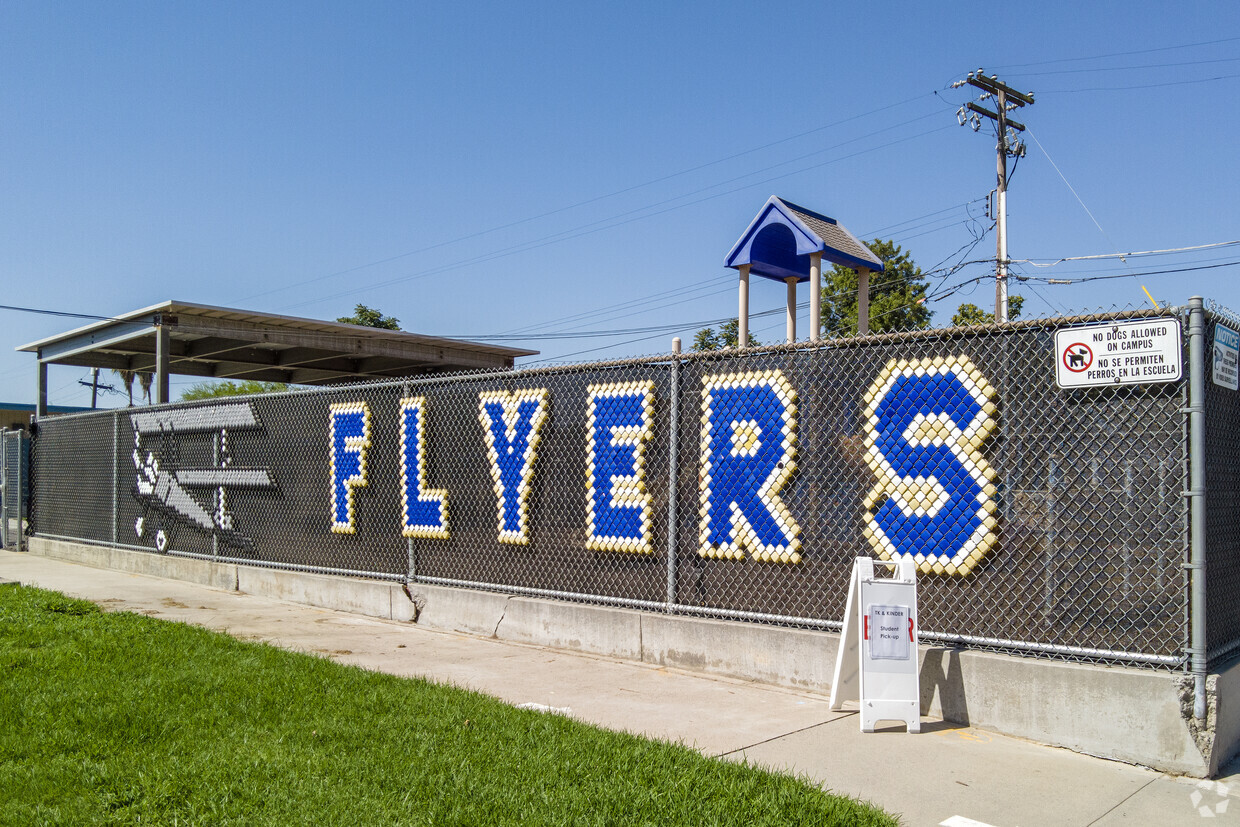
x=502, y=615
x=1121, y=802
x=418, y=601
x=1202, y=732
x=785, y=735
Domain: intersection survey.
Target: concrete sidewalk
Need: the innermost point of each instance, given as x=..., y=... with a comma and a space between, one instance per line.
x=948, y=774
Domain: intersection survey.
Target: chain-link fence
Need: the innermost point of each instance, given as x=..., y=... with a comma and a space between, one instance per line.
x=14, y=487
x=1046, y=520
x=1222, y=483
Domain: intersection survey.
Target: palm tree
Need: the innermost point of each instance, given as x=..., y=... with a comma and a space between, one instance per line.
x=127, y=377
x=145, y=379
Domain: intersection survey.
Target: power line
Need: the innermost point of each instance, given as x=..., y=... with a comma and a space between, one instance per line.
x=1133, y=254
x=956, y=288
x=932, y=231
x=1083, y=279
x=599, y=225
x=1086, y=271
x=1120, y=54
x=591, y=228
x=1141, y=86
x=602, y=334
x=667, y=327
x=1072, y=189
x=927, y=299
x=563, y=356
x=590, y=334
x=1058, y=310
x=648, y=300
x=934, y=224
x=587, y=201
x=62, y=313
x=930, y=296
x=963, y=252
x=624, y=305
x=710, y=284
x=1129, y=68
x=891, y=227
x=567, y=334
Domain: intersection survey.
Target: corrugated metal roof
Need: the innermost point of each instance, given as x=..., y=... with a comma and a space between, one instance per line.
x=275, y=320
x=227, y=343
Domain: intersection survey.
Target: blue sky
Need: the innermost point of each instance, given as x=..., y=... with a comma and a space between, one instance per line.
x=493, y=169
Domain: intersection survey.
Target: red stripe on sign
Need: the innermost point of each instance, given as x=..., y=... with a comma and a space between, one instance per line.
x=867, y=627
x=910, y=629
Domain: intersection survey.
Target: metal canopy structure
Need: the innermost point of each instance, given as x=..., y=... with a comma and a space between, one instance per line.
x=788, y=243
x=222, y=343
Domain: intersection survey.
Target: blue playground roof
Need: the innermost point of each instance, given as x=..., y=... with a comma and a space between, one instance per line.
x=777, y=243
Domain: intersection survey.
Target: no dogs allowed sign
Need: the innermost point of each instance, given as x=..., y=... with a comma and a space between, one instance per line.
x=1121, y=353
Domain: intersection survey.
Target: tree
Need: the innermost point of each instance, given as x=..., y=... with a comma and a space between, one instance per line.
x=211, y=390
x=897, y=295
x=369, y=317
x=127, y=377
x=144, y=381
x=970, y=314
x=729, y=336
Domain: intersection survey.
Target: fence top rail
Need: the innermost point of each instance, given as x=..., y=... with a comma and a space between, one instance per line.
x=1221, y=312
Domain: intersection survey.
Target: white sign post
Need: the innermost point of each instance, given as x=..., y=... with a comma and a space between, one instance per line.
x=877, y=660
x=1226, y=357
x=1119, y=353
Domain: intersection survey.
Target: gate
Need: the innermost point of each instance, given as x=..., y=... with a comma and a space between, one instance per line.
x=14, y=487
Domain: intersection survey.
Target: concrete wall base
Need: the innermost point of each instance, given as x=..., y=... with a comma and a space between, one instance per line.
x=1134, y=715
x=191, y=570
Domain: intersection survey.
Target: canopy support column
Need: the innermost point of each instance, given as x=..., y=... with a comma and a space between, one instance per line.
x=863, y=302
x=791, y=281
x=40, y=410
x=815, y=295
x=163, y=344
x=742, y=317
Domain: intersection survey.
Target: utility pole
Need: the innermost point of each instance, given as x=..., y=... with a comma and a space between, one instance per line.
x=1007, y=99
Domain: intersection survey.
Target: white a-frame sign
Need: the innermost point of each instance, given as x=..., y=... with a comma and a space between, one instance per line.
x=877, y=659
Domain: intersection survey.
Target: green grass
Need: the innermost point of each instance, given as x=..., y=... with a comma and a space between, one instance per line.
x=122, y=719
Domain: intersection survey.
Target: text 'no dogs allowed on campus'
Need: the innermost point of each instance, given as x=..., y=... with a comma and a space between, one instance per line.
x=1127, y=353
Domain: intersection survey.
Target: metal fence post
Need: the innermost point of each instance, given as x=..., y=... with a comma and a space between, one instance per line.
x=673, y=480
x=25, y=453
x=4, y=490
x=12, y=475
x=1197, y=499
x=116, y=454
x=23, y=475
x=411, y=575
